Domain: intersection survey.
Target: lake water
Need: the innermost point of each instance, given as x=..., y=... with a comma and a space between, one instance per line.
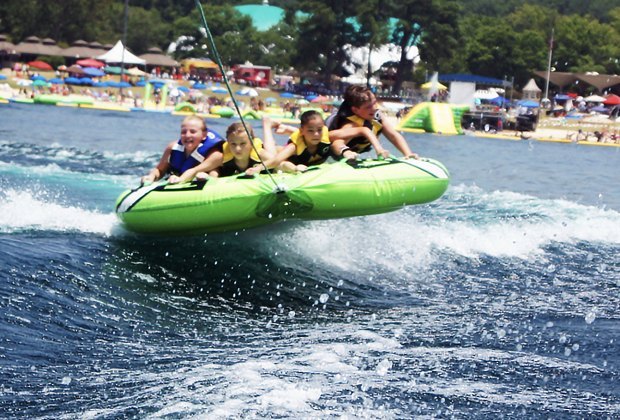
x=499, y=300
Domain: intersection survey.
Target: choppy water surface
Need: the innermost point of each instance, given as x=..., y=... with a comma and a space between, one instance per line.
x=500, y=300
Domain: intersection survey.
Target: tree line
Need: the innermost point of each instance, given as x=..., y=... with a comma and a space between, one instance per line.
x=505, y=40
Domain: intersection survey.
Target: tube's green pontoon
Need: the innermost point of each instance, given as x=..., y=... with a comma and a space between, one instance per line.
x=326, y=191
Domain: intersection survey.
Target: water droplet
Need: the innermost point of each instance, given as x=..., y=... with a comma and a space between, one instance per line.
x=66, y=380
x=324, y=298
x=590, y=317
x=291, y=314
x=383, y=367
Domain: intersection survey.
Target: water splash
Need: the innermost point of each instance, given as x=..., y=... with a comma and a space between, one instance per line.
x=22, y=211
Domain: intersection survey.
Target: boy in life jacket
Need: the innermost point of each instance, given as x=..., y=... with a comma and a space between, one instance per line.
x=311, y=143
x=244, y=155
x=196, y=153
x=359, y=109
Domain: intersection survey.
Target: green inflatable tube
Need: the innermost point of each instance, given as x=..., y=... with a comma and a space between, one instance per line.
x=185, y=107
x=223, y=111
x=238, y=202
x=53, y=99
x=252, y=115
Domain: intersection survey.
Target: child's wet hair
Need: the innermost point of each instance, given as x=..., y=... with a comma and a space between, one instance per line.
x=357, y=95
x=196, y=118
x=237, y=129
x=309, y=115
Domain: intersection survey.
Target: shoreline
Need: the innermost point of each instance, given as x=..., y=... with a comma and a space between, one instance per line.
x=551, y=135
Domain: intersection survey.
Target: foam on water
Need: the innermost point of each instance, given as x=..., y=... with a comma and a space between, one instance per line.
x=21, y=211
x=467, y=222
x=347, y=371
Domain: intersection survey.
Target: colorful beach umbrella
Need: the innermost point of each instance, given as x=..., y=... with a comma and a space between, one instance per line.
x=93, y=72
x=528, y=103
x=75, y=69
x=38, y=64
x=39, y=83
x=612, y=100
x=90, y=62
x=112, y=69
x=72, y=81
x=56, y=81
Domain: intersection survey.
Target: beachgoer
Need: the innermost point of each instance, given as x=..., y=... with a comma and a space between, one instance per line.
x=359, y=109
x=241, y=154
x=310, y=144
x=197, y=153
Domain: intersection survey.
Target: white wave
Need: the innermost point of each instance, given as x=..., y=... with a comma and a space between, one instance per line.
x=318, y=372
x=22, y=211
x=468, y=222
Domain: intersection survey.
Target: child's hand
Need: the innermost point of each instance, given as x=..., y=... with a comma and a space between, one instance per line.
x=147, y=179
x=174, y=179
x=254, y=170
x=350, y=154
x=301, y=168
x=383, y=153
x=412, y=156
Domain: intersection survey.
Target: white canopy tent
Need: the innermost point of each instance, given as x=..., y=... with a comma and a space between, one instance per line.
x=120, y=54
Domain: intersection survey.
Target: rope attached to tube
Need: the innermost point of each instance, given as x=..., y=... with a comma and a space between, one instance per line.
x=218, y=60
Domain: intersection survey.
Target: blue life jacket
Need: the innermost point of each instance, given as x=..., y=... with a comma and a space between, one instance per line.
x=179, y=163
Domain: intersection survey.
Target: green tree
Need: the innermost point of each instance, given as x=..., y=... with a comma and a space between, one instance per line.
x=584, y=44
x=324, y=30
x=374, y=27
x=276, y=47
x=68, y=20
x=431, y=25
x=153, y=31
x=233, y=34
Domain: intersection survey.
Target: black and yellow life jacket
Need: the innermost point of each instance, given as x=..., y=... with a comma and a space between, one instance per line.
x=344, y=116
x=229, y=166
x=302, y=155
